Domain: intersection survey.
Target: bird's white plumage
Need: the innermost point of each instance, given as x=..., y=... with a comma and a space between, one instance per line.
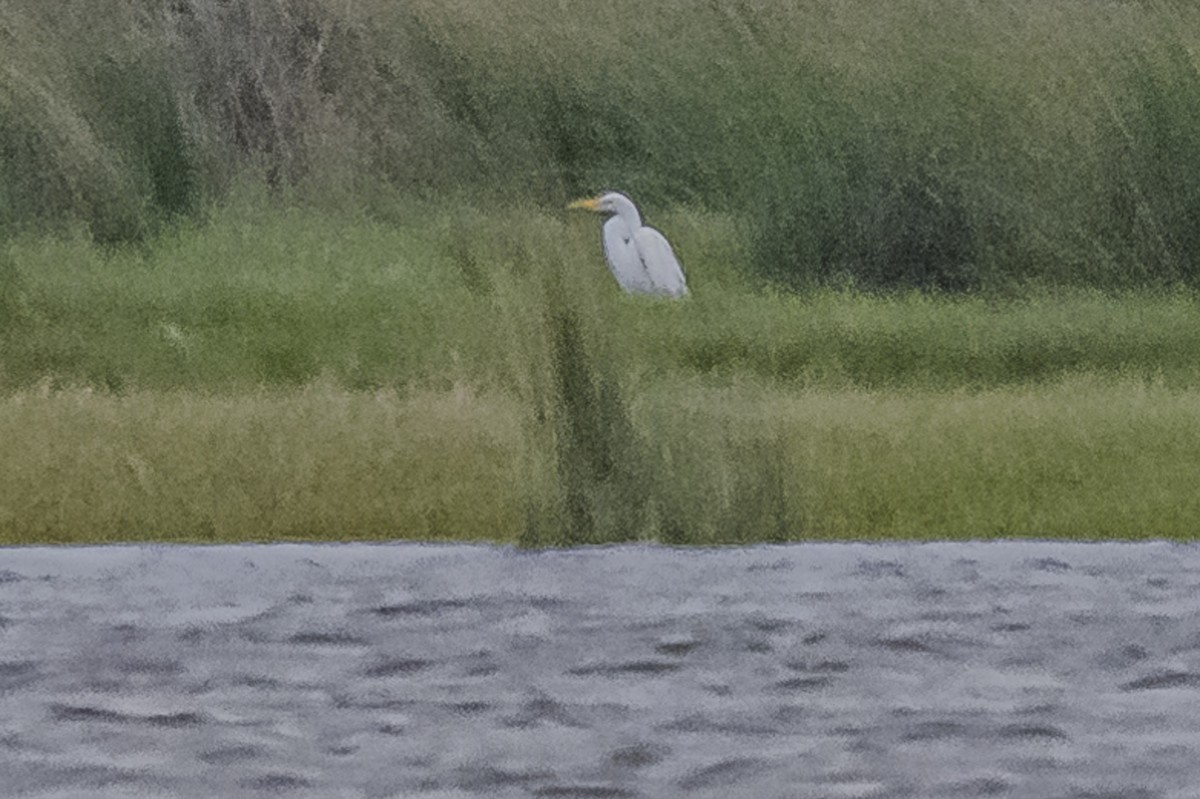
x=624, y=262
x=640, y=258
x=666, y=275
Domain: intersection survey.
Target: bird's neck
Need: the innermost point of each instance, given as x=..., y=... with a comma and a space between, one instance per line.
x=628, y=213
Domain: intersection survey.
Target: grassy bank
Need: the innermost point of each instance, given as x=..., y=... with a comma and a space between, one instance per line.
x=470, y=372
x=1074, y=459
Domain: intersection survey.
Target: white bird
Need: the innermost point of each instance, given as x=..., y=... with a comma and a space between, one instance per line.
x=639, y=257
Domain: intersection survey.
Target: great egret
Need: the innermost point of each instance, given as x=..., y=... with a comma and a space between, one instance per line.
x=640, y=258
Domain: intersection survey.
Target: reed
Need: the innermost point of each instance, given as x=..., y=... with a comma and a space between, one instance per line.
x=930, y=144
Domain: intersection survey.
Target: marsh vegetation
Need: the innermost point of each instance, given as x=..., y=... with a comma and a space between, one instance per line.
x=302, y=270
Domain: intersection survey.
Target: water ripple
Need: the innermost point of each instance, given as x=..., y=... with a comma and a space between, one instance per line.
x=1023, y=669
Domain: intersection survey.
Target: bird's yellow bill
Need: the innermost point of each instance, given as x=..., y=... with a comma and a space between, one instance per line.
x=587, y=205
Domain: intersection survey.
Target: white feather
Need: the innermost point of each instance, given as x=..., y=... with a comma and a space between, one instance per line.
x=624, y=261
x=662, y=267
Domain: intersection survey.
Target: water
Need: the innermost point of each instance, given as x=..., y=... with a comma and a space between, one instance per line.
x=446, y=672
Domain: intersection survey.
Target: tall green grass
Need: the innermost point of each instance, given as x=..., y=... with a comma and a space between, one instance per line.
x=448, y=294
x=930, y=144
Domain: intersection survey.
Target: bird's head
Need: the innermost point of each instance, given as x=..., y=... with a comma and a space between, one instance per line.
x=607, y=203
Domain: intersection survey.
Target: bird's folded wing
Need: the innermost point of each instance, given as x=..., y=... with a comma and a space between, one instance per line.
x=662, y=267
x=623, y=260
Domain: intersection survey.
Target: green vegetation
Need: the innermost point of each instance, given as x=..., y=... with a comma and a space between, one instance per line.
x=1081, y=458
x=453, y=294
x=298, y=374
x=915, y=144
x=301, y=269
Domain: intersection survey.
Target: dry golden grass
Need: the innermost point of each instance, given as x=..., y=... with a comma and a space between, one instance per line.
x=318, y=463
x=1082, y=458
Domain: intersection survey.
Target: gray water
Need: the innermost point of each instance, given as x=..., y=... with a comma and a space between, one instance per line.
x=827, y=670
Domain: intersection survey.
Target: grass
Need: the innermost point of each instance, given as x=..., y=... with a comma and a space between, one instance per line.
x=1080, y=458
x=448, y=294
x=1077, y=458
x=460, y=374
x=926, y=144
x=302, y=269
x=317, y=463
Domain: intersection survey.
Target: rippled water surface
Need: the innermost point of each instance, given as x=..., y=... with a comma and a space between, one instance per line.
x=938, y=670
